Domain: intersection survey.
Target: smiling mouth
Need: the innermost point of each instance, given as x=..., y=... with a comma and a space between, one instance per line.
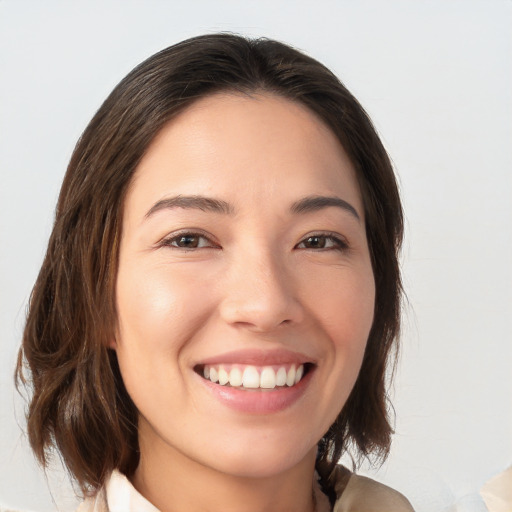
x=254, y=377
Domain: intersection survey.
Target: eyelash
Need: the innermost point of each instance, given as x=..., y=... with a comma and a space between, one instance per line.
x=338, y=244
x=168, y=242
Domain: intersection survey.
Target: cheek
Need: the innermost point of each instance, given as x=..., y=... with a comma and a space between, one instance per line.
x=344, y=307
x=159, y=312
x=344, y=302
x=158, y=307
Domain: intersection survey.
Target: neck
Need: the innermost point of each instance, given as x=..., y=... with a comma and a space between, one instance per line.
x=173, y=482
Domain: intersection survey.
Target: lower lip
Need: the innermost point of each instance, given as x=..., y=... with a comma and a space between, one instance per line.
x=259, y=401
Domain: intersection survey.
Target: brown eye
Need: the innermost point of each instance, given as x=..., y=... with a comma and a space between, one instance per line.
x=315, y=242
x=320, y=242
x=188, y=241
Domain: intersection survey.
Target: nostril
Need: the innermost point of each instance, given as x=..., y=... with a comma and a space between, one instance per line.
x=260, y=304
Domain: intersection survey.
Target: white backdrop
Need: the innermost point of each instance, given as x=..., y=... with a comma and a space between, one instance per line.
x=436, y=77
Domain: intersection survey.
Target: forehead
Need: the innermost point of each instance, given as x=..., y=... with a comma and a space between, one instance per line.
x=245, y=146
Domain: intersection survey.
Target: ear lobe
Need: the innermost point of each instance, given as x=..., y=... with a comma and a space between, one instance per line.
x=112, y=344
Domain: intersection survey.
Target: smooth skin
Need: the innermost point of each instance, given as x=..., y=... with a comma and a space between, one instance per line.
x=254, y=274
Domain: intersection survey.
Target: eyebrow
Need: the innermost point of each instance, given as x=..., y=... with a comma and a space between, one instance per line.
x=315, y=203
x=205, y=204
x=208, y=204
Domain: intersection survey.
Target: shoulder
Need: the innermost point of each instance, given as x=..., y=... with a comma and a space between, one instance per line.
x=117, y=495
x=362, y=494
x=97, y=503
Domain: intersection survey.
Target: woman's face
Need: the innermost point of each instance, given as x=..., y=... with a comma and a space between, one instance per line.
x=243, y=263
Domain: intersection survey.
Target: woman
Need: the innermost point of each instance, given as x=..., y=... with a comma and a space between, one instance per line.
x=213, y=321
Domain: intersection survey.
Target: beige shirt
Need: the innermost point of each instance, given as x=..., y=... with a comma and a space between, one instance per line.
x=497, y=492
x=360, y=494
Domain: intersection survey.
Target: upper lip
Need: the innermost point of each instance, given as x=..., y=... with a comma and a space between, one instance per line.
x=258, y=358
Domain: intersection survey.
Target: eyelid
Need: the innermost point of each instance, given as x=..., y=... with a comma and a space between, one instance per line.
x=171, y=237
x=341, y=243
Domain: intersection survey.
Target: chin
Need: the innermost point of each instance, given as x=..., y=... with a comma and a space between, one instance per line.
x=256, y=461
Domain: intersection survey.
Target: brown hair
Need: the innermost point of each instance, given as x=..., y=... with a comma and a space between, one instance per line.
x=79, y=404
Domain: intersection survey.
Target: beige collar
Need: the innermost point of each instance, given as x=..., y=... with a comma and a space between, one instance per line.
x=355, y=493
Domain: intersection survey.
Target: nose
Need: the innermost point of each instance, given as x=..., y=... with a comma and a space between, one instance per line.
x=260, y=294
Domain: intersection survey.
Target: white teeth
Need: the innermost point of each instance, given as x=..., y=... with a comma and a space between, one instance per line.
x=235, y=377
x=213, y=374
x=223, y=376
x=281, y=376
x=268, y=378
x=252, y=377
x=299, y=373
x=290, y=379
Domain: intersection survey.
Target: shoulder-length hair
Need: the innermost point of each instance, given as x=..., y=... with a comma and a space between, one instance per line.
x=79, y=404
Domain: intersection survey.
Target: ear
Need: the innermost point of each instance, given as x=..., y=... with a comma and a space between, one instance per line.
x=110, y=340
